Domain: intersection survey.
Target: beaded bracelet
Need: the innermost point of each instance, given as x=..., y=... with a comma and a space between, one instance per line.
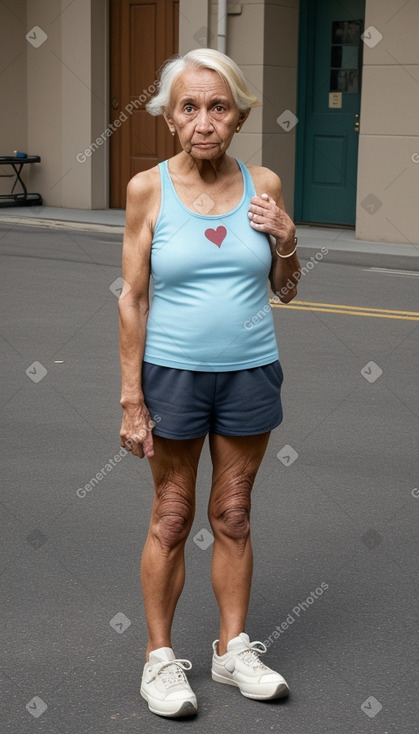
x=290, y=253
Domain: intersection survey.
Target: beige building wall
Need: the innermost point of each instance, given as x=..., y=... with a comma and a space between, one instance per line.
x=13, y=128
x=44, y=100
x=388, y=171
x=193, y=25
x=66, y=101
x=280, y=92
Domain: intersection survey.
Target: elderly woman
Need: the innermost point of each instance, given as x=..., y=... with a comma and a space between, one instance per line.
x=209, y=231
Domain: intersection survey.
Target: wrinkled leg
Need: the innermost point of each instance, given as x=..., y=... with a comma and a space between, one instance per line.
x=236, y=461
x=174, y=467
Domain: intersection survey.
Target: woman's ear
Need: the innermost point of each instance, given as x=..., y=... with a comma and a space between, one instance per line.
x=170, y=124
x=243, y=116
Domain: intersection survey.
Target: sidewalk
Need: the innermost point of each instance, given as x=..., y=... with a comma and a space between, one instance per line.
x=99, y=220
x=341, y=244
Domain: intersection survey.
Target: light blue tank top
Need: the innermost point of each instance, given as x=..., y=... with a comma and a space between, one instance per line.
x=210, y=309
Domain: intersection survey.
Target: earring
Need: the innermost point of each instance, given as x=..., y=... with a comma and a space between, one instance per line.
x=238, y=128
x=173, y=132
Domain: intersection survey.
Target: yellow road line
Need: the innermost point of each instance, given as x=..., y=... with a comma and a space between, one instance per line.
x=381, y=313
x=356, y=308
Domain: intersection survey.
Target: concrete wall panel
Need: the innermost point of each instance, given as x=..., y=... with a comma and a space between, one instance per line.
x=388, y=186
x=280, y=93
x=44, y=96
x=13, y=86
x=388, y=161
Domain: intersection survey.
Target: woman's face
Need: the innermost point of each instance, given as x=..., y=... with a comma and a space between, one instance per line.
x=203, y=113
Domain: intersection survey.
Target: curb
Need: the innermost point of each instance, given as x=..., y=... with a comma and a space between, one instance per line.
x=365, y=259
x=62, y=224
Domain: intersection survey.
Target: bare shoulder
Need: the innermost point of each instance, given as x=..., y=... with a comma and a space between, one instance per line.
x=144, y=184
x=143, y=198
x=266, y=181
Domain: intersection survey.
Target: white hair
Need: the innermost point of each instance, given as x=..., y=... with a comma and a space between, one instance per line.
x=202, y=58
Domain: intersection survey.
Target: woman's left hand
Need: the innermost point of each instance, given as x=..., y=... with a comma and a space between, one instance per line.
x=266, y=216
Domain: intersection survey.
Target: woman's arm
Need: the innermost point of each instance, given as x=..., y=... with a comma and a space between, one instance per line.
x=133, y=308
x=267, y=214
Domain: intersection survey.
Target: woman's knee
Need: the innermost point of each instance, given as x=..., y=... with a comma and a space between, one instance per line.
x=230, y=514
x=234, y=523
x=173, y=514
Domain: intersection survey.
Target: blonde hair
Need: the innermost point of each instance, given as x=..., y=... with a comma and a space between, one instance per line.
x=202, y=58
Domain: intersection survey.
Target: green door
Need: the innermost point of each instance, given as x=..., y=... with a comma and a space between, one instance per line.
x=330, y=65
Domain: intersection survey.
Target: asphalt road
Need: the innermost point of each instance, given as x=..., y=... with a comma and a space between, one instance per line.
x=335, y=509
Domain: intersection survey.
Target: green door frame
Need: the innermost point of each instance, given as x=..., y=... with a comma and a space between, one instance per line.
x=306, y=65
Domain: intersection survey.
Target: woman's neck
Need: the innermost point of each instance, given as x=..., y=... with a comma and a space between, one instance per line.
x=208, y=170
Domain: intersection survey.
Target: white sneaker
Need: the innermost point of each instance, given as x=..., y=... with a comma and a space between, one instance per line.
x=165, y=686
x=241, y=667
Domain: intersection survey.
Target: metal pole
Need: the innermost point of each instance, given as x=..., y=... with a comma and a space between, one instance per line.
x=222, y=26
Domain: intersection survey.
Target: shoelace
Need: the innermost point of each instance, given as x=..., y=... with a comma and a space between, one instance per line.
x=250, y=656
x=171, y=673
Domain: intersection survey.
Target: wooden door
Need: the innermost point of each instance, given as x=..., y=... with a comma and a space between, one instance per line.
x=142, y=36
x=328, y=112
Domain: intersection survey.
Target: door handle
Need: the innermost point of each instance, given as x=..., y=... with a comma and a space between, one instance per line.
x=115, y=103
x=356, y=127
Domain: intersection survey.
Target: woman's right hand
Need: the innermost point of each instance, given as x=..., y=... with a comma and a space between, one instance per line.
x=135, y=433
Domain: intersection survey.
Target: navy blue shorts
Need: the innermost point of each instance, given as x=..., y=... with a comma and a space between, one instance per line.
x=188, y=404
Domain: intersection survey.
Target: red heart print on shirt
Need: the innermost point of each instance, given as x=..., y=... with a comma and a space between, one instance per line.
x=216, y=236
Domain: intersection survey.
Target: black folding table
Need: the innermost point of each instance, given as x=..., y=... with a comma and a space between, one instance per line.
x=24, y=198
